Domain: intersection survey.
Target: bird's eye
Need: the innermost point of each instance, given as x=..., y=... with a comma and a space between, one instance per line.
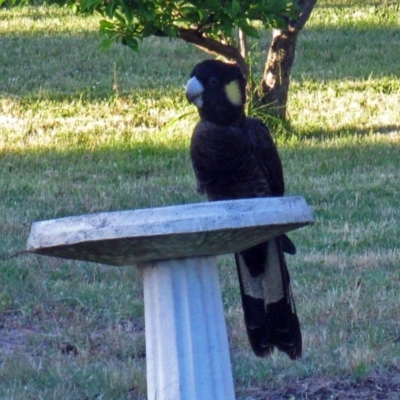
x=213, y=81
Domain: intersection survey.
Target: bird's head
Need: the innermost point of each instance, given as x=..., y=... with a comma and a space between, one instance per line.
x=218, y=90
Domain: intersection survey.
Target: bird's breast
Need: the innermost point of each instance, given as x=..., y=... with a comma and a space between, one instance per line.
x=226, y=165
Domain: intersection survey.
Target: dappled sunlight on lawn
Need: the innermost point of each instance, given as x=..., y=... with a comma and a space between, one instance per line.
x=44, y=20
x=83, y=131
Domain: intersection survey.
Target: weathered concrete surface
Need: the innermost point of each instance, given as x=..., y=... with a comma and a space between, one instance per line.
x=187, y=351
x=192, y=230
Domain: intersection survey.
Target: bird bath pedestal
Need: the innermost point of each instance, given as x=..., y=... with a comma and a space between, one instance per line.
x=187, y=350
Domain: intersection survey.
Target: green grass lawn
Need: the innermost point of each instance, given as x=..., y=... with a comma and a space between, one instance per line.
x=83, y=131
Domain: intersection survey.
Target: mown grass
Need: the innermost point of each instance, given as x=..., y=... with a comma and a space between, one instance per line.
x=84, y=131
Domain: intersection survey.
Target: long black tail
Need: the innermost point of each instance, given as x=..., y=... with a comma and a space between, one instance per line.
x=268, y=305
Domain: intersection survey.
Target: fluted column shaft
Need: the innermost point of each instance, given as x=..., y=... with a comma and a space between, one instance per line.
x=186, y=341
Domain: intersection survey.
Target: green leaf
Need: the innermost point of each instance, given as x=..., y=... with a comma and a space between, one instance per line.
x=110, y=9
x=235, y=7
x=170, y=31
x=249, y=30
x=131, y=43
x=106, y=25
x=148, y=30
x=105, y=44
x=120, y=17
x=90, y=5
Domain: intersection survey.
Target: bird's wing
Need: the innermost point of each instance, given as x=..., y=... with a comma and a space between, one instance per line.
x=266, y=153
x=268, y=305
x=233, y=163
x=268, y=160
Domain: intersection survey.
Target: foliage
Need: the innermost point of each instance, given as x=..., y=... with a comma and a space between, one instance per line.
x=130, y=21
x=19, y=3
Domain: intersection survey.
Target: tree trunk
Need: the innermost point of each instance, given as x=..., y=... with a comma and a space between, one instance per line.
x=276, y=78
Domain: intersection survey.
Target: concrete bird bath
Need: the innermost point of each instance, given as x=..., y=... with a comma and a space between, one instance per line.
x=187, y=352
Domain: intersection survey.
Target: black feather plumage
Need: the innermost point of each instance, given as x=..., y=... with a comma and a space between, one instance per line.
x=234, y=157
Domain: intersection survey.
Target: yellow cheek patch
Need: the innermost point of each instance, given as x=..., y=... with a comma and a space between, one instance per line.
x=232, y=91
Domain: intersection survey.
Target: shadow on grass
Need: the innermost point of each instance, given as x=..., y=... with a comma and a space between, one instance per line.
x=39, y=185
x=50, y=184
x=69, y=66
x=321, y=134
x=285, y=133
x=352, y=3
x=348, y=54
x=355, y=177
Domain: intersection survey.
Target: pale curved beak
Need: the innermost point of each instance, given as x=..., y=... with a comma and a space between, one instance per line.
x=194, y=92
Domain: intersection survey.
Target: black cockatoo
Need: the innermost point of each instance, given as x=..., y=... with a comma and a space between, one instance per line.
x=234, y=157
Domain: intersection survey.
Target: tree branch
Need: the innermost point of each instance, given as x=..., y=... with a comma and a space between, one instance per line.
x=244, y=50
x=306, y=7
x=214, y=47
